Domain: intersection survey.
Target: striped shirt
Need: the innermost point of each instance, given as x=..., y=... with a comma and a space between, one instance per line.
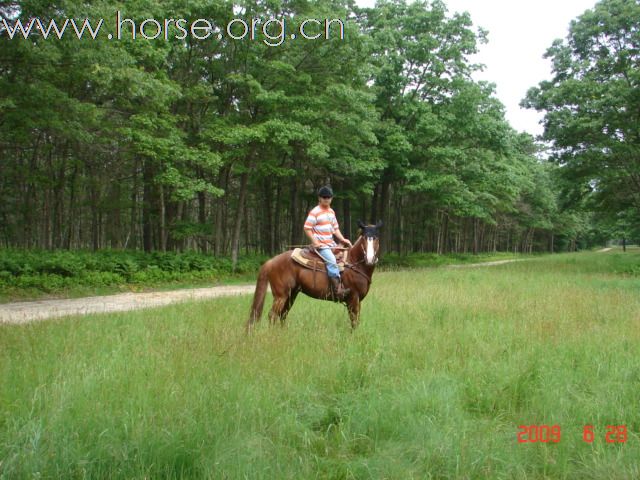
x=322, y=222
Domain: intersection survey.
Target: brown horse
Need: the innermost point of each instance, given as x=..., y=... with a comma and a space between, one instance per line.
x=288, y=278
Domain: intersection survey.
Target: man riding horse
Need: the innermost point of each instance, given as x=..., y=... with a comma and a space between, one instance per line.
x=289, y=274
x=321, y=226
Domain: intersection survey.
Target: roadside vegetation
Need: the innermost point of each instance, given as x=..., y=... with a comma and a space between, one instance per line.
x=35, y=274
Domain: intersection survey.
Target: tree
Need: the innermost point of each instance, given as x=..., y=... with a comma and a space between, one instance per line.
x=592, y=107
x=220, y=144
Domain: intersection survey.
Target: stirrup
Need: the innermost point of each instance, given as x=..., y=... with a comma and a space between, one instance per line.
x=339, y=292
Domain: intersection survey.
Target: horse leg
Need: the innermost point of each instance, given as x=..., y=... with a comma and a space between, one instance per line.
x=279, y=305
x=287, y=306
x=353, y=306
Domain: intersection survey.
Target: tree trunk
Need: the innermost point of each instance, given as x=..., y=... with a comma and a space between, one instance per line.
x=95, y=238
x=275, y=238
x=133, y=221
x=401, y=228
x=267, y=217
x=147, y=224
x=72, y=208
x=346, y=217
x=223, y=183
x=247, y=231
x=385, y=202
x=235, y=242
x=114, y=239
x=202, y=220
x=475, y=236
x=295, y=225
x=163, y=221
x=58, y=203
x=374, y=204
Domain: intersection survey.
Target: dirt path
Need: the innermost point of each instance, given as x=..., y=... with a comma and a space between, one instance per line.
x=604, y=250
x=24, y=312
x=484, y=264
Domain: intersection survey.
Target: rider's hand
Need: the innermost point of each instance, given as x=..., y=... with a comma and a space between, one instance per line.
x=347, y=242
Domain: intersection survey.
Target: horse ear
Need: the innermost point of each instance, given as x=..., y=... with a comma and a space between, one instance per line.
x=361, y=225
x=379, y=224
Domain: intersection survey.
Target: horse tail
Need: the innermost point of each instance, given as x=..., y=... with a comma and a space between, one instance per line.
x=258, y=296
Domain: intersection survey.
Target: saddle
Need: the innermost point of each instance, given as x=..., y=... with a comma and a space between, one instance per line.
x=310, y=259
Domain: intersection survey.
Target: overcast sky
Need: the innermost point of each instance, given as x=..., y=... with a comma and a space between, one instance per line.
x=520, y=31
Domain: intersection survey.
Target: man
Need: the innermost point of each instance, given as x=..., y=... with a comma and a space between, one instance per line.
x=321, y=226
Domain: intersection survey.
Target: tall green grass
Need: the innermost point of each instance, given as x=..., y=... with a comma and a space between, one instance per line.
x=434, y=384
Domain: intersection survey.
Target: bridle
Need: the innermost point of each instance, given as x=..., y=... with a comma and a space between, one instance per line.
x=352, y=266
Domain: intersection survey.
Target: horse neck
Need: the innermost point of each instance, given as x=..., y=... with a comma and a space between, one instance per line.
x=356, y=252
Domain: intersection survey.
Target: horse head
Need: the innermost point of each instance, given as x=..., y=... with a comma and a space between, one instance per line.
x=370, y=242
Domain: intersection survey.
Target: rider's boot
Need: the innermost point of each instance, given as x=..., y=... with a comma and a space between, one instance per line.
x=339, y=292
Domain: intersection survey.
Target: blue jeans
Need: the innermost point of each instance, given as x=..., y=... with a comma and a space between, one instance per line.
x=330, y=261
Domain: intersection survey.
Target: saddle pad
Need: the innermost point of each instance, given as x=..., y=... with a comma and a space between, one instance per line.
x=319, y=264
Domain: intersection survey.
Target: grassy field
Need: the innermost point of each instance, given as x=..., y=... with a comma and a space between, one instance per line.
x=434, y=384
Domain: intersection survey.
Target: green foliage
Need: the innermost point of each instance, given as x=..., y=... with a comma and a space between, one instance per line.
x=167, y=144
x=591, y=112
x=25, y=274
x=55, y=272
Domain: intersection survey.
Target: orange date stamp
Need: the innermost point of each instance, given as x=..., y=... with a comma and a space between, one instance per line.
x=553, y=434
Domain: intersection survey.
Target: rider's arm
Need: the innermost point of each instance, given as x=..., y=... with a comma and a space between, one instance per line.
x=309, y=223
x=340, y=237
x=309, y=234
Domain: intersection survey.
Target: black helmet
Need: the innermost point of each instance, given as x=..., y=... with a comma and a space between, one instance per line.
x=325, y=191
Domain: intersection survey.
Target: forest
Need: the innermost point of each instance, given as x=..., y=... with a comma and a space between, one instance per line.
x=219, y=145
